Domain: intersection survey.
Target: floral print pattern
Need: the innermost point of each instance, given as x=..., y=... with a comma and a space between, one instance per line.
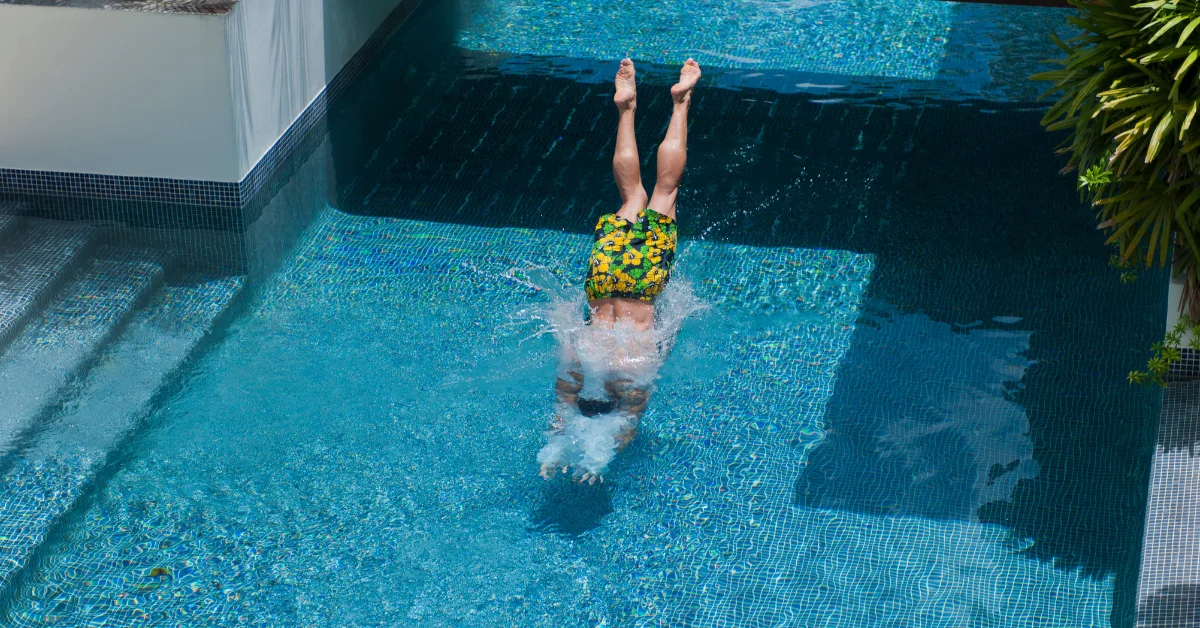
x=631, y=260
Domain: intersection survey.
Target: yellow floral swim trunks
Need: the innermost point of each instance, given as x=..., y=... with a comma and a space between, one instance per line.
x=631, y=260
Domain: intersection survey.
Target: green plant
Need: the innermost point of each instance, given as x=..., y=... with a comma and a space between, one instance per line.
x=1128, y=93
x=1166, y=353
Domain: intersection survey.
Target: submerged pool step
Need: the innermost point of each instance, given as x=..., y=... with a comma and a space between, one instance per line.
x=8, y=224
x=35, y=258
x=52, y=472
x=58, y=344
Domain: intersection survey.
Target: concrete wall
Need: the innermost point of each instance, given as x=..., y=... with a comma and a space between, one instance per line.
x=282, y=53
x=277, y=66
x=1174, y=295
x=167, y=95
x=115, y=92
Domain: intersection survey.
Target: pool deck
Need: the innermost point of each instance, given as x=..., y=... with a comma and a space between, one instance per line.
x=1169, y=587
x=214, y=7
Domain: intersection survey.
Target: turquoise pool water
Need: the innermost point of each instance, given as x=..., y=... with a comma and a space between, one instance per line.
x=903, y=403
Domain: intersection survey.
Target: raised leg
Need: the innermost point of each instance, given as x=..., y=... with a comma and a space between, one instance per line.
x=627, y=167
x=672, y=153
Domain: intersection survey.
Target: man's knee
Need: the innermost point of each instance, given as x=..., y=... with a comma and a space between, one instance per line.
x=626, y=155
x=672, y=146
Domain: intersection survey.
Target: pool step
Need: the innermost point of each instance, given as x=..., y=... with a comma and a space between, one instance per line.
x=36, y=256
x=58, y=344
x=8, y=224
x=53, y=471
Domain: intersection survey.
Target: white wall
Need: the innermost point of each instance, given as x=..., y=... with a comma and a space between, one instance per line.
x=1174, y=295
x=115, y=92
x=277, y=67
x=167, y=95
x=282, y=54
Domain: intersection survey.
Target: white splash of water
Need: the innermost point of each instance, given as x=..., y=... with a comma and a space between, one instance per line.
x=606, y=358
x=586, y=444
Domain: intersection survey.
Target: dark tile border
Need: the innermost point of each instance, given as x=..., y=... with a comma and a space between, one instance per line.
x=1188, y=366
x=118, y=188
x=208, y=197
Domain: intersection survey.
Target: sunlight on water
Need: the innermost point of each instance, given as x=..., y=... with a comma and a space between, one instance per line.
x=899, y=39
x=362, y=449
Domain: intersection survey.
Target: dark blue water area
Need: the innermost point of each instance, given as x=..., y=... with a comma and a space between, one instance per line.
x=986, y=379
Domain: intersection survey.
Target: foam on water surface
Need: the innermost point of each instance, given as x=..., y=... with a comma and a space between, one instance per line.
x=361, y=450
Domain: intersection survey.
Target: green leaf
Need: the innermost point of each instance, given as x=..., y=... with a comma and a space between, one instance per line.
x=1169, y=25
x=1159, y=56
x=1152, y=241
x=1165, y=237
x=1147, y=71
x=1187, y=63
x=1186, y=231
x=1126, y=97
x=1187, y=121
x=1156, y=138
x=1137, y=237
x=1061, y=45
x=1187, y=32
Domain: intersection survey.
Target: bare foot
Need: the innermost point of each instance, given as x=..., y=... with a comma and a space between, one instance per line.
x=548, y=471
x=626, y=96
x=590, y=478
x=682, y=91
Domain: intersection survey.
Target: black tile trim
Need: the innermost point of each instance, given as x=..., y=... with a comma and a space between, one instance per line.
x=1188, y=366
x=209, y=194
x=116, y=187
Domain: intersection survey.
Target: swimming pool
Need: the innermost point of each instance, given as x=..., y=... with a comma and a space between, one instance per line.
x=904, y=404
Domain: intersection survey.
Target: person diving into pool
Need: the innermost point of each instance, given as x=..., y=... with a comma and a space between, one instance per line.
x=607, y=371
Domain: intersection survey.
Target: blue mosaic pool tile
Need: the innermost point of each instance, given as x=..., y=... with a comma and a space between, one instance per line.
x=903, y=39
x=279, y=519
x=59, y=344
x=8, y=224
x=33, y=264
x=50, y=475
x=926, y=48
x=359, y=450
